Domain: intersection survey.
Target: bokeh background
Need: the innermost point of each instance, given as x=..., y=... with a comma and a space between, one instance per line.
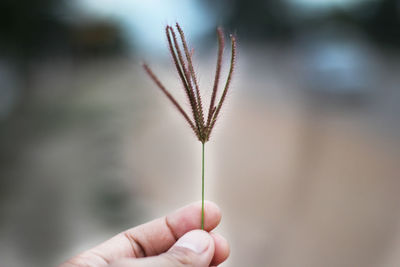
x=304, y=161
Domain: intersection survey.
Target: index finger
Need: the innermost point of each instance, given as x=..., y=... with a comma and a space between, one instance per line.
x=154, y=237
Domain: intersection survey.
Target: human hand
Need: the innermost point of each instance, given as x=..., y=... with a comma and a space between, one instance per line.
x=173, y=240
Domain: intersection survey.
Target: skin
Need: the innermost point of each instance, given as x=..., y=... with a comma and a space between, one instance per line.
x=152, y=243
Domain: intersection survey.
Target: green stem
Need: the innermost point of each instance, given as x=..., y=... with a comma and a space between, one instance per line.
x=202, y=188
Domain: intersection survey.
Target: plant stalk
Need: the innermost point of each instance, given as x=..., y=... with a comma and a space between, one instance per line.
x=202, y=188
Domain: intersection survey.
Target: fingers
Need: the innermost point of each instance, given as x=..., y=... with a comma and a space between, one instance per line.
x=194, y=249
x=159, y=235
x=152, y=238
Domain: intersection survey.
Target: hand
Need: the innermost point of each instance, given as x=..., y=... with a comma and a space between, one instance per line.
x=168, y=241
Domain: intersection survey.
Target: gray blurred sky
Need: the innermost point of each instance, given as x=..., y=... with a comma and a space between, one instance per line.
x=147, y=18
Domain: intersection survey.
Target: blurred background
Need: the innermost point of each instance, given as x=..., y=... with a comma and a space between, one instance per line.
x=304, y=161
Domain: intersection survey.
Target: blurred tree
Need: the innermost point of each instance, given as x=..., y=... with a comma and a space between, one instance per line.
x=279, y=20
x=257, y=19
x=97, y=38
x=383, y=24
x=32, y=30
x=29, y=27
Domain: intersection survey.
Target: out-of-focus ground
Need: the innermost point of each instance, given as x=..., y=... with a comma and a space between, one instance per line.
x=301, y=181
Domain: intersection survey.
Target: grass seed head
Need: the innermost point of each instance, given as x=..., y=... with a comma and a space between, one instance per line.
x=184, y=66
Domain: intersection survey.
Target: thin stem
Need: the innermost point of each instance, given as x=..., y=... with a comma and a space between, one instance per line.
x=202, y=188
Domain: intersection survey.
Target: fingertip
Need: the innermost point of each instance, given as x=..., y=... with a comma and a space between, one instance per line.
x=189, y=218
x=210, y=204
x=212, y=215
x=222, y=249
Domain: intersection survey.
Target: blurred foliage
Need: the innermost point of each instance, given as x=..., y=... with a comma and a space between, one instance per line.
x=97, y=38
x=31, y=31
x=269, y=19
x=278, y=20
x=29, y=26
x=39, y=27
x=384, y=23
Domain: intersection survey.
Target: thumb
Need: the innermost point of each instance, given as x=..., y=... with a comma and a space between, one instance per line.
x=194, y=249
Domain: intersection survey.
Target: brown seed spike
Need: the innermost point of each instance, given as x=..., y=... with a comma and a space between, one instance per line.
x=193, y=74
x=183, y=71
x=170, y=97
x=221, y=44
x=227, y=84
